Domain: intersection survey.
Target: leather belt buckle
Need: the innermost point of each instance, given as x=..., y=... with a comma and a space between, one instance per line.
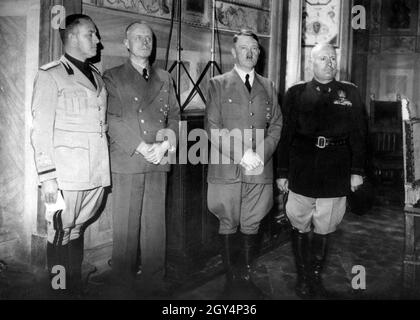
x=321, y=142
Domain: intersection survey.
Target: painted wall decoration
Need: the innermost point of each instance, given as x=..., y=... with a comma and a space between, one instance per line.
x=399, y=17
x=321, y=22
x=156, y=8
x=196, y=12
x=258, y=4
x=233, y=17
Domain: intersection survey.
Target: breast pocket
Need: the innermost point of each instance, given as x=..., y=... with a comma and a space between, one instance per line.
x=75, y=102
x=71, y=151
x=231, y=108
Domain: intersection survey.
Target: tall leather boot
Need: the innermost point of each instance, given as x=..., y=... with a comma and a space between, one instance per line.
x=251, y=290
x=56, y=256
x=229, y=256
x=319, y=255
x=75, y=265
x=300, y=245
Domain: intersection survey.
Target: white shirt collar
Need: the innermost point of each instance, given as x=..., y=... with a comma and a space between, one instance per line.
x=242, y=75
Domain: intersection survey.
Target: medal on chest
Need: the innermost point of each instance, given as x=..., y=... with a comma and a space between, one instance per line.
x=342, y=99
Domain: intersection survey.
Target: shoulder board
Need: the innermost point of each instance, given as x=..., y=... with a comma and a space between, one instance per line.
x=50, y=65
x=350, y=83
x=298, y=83
x=94, y=68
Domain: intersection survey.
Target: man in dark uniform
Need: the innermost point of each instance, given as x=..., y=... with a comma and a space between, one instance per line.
x=142, y=113
x=240, y=175
x=322, y=158
x=69, y=140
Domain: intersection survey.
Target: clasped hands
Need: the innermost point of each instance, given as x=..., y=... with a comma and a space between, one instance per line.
x=153, y=153
x=251, y=160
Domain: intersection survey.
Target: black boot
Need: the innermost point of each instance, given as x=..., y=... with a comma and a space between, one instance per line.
x=319, y=254
x=57, y=256
x=251, y=290
x=75, y=266
x=229, y=256
x=300, y=245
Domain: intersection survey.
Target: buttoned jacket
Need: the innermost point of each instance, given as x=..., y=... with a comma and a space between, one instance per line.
x=69, y=127
x=139, y=111
x=254, y=118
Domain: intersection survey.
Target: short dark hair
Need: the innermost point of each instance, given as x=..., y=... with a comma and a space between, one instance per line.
x=245, y=32
x=70, y=24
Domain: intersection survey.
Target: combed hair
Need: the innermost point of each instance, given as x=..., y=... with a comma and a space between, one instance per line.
x=245, y=32
x=134, y=23
x=71, y=23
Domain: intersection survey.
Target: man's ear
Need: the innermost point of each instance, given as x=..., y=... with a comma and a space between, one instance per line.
x=126, y=44
x=233, y=52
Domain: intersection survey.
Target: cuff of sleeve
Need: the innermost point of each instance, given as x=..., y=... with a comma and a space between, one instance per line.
x=283, y=173
x=357, y=171
x=47, y=175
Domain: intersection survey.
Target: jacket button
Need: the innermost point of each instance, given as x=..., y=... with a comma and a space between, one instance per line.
x=136, y=99
x=230, y=100
x=160, y=121
x=251, y=114
x=252, y=127
x=267, y=102
x=145, y=132
x=268, y=109
x=140, y=110
x=142, y=121
x=161, y=99
x=250, y=101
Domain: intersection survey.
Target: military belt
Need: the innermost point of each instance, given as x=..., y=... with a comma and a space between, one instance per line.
x=94, y=127
x=322, y=142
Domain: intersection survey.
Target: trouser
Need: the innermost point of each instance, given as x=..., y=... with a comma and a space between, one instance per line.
x=325, y=214
x=138, y=206
x=68, y=224
x=240, y=204
x=65, y=232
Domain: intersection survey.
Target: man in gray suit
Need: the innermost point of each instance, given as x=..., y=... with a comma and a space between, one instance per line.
x=143, y=117
x=240, y=183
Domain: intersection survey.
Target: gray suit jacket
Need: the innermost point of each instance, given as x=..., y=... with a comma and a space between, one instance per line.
x=137, y=111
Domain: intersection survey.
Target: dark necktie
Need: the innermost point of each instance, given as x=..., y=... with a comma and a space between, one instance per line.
x=247, y=84
x=145, y=74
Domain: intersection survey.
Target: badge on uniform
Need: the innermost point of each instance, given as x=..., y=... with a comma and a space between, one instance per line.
x=342, y=99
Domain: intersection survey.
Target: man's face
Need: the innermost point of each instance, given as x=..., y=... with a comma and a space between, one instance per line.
x=140, y=41
x=245, y=52
x=325, y=64
x=85, y=39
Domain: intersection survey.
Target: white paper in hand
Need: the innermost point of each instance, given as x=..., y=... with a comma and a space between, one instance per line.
x=51, y=208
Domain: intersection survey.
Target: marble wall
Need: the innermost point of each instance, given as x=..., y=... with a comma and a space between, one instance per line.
x=12, y=119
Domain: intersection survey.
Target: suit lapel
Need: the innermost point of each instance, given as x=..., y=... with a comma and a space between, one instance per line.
x=144, y=90
x=257, y=87
x=153, y=87
x=235, y=85
x=99, y=82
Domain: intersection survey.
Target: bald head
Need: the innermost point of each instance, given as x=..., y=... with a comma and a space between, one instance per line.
x=320, y=47
x=324, y=62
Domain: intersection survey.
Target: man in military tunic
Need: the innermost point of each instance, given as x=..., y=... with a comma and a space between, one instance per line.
x=322, y=159
x=143, y=119
x=240, y=180
x=70, y=143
